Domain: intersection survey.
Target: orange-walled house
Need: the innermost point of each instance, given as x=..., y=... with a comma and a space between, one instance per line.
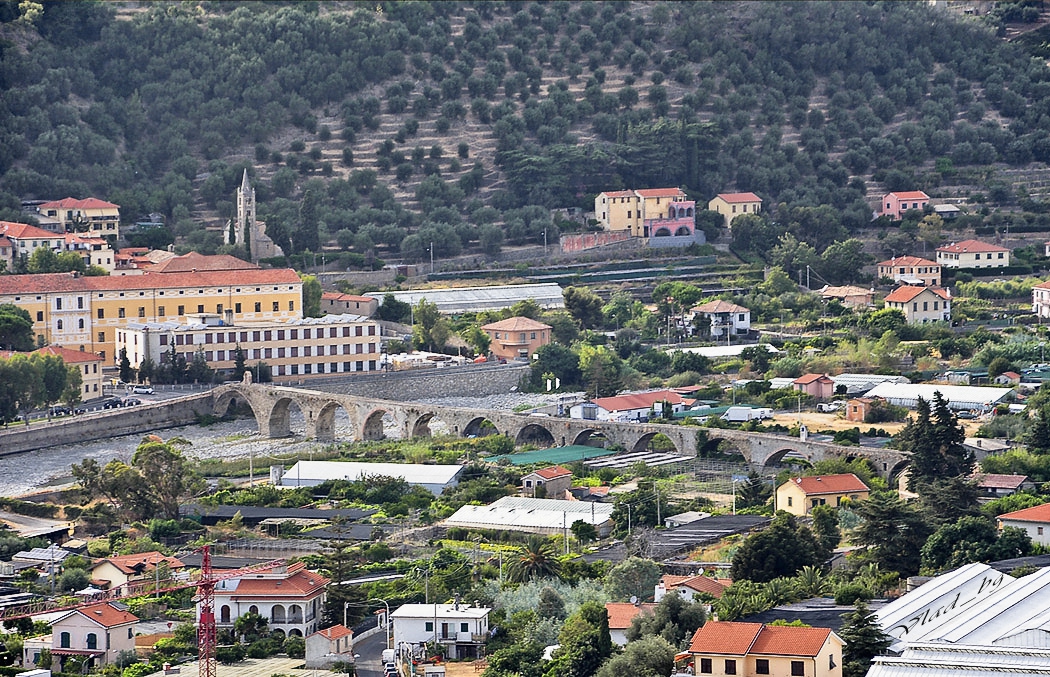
x=517, y=337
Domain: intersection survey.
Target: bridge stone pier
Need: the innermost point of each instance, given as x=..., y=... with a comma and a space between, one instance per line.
x=272, y=407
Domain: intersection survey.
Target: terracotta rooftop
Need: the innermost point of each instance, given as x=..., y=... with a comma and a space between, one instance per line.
x=131, y=564
x=199, y=262
x=720, y=306
x=552, y=472
x=910, y=195
x=829, y=484
x=104, y=614
x=335, y=632
x=1037, y=513
x=637, y=400
x=73, y=203
x=660, y=192
x=622, y=613
x=44, y=283
x=516, y=324
x=338, y=296
x=68, y=355
x=619, y=193
x=811, y=378
x=970, y=246
x=739, y=639
x=297, y=582
x=907, y=261
x=712, y=586
x=739, y=197
x=906, y=293
x=24, y=231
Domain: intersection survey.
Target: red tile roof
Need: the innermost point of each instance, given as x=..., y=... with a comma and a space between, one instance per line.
x=660, y=192
x=720, y=306
x=24, y=231
x=68, y=355
x=725, y=637
x=967, y=246
x=712, y=586
x=909, y=195
x=1013, y=375
x=337, y=296
x=783, y=640
x=907, y=261
x=335, y=632
x=637, y=400
x=621, y=613
x=739, y=197
x=829, y=484
x=739, y=639
x=73, y=203
x=43, y=283
x=297, y=582
x=906, y=293
x=516, y=324
x=104, y=614
x=130, y=564
x=811, y=378
x=619, y=193
x=199, y=262
x=552, y=472
x=1037, y=513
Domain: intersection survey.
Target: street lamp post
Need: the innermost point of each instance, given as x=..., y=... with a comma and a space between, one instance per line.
x=386, y=618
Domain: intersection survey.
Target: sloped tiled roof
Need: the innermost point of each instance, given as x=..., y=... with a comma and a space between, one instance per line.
x=619, y=193
x=43, y=283
x=1037, y=513
x=739, y=197
x=811, y=378
x=783, y=640
x=552, y=472
x=910, y=195
x=725, y=637
x=712, y=586
x=338, y=296
x=104, y=614
x=622, y=613
x=297, y=582
x=130, y=564
x=73, y=203
x=991, y=481
x=199, y=262
x=335, y=632
x=637, y=400
x=659, y=192
x=516, y=324
x=24, y=231
x=720, y=306
x=829, y=484
x=906, y=293
x=68, y=355
x=907, y=261
x=970, y=246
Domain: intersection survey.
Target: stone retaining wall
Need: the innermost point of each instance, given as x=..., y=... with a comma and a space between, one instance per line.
x=418, y=384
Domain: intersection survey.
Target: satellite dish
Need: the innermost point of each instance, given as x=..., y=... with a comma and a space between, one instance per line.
x=634, y=599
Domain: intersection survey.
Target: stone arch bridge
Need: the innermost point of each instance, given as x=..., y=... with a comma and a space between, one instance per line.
x=273, y=406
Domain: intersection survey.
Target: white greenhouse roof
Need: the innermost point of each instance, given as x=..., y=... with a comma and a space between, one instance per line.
x=531, y=513
x=723, y=351
x=959, y=397
x=862, y=379
x=475, y=299
x=309, y=473
x=946, y=660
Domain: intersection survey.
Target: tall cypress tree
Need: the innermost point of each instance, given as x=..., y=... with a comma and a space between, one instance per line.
x=864, y=640
x=934, y=438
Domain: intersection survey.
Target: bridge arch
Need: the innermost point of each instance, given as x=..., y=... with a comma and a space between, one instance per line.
x=281, y=415
x=325, y=426
x=479, y=426
x=428, y=423
x=373, y=428
x=229, y=400
x=534, y=433
x=583, y=437
x=643, y=442
x=778, y=456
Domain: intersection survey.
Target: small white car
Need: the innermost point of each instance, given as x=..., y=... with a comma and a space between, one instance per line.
x=142, y=390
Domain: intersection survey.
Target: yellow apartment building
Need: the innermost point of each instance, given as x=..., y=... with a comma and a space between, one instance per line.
x=732, y=205
x=91, y=216
x=331, y=344
x=629, y=209
x=84, y=313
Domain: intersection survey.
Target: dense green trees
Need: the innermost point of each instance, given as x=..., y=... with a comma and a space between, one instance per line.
x=864, y=640
x=779, y=550
x=894, y=532
x=36, y=380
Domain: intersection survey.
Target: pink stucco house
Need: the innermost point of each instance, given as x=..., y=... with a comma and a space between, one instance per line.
x=819, y=386
x=895, y=204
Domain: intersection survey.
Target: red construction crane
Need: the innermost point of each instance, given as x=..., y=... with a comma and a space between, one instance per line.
x=207, y=631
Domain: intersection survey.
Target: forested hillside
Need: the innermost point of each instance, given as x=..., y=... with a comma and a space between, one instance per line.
x=395, y=124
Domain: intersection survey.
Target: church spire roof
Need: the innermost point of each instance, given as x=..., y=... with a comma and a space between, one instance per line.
x=244, y=180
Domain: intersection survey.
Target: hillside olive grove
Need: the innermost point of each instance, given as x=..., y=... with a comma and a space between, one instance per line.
x=387, y=126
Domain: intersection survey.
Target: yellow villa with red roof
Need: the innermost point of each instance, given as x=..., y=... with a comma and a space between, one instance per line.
x=973, y=254
x=799, y=495
x=732, y=205
x=91, y=215
x=724, y=648
x=629, y=209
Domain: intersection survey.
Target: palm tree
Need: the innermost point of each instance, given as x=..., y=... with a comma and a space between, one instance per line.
x=535, y=559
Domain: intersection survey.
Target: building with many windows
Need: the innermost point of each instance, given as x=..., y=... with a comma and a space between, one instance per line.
x=910, y=270
x=630, y=209
x=462, y=629
x=921, y=304
x=91, y=215
x=85, y=312
x=297, y=347
x=289, y=597
x=894, y=205
x=95, y=634
x=973, y=254
x=722, y=648
x=517, y=337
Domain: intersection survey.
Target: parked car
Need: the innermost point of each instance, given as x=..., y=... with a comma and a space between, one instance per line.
x=130, y=402
x=827, y=407
x=111, y=403
x=966, y=415
x=142, y=390
x=59, y=410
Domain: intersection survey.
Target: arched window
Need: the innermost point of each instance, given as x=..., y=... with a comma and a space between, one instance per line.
x=253, y=609
x=92, y=640
x=295, y=614
x=277, y=614
x=63, y=640
x=60, y=325
x=224, y=614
